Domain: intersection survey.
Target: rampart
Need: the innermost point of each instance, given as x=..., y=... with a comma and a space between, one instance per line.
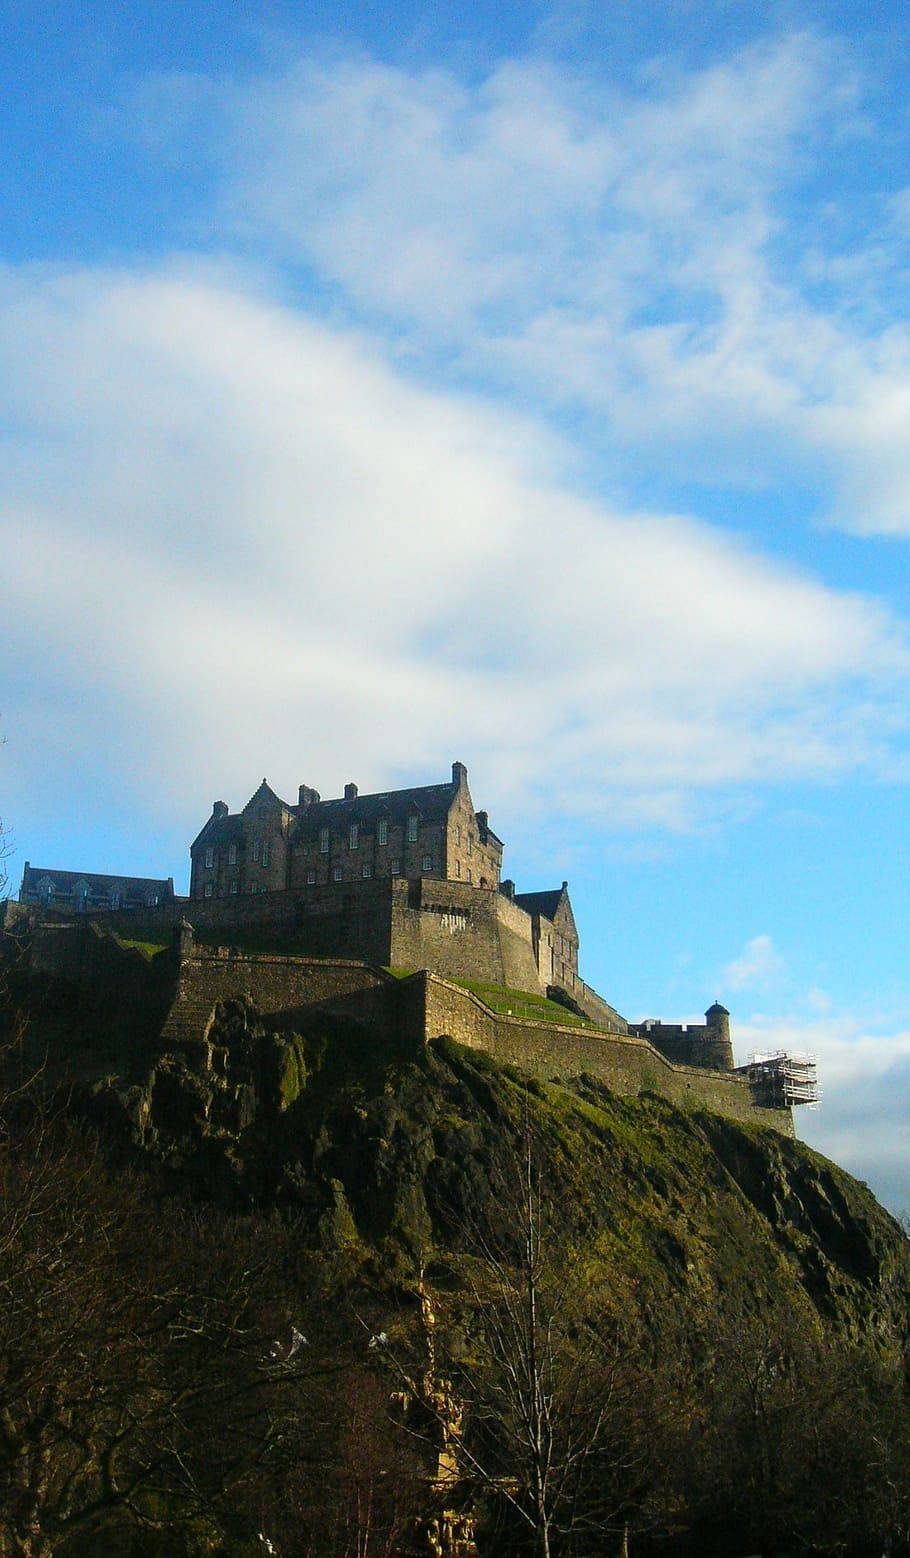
x=182, y=986
x=464, y=931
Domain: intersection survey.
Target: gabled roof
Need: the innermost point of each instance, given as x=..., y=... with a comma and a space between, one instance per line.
x=546, y=904
x=266, y=793
x=540, y=903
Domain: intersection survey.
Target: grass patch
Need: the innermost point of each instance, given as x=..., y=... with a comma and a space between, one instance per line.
x=521, y=1003
x=149, y=949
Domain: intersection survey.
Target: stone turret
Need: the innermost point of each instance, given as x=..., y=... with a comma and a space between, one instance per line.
x=718, y=1044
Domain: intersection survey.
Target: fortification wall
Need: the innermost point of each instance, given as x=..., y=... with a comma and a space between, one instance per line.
x=627, y=1064
x=171, y=999
x=690, y=1044
x=280, y=987
x=89, y=973
x=466, y=932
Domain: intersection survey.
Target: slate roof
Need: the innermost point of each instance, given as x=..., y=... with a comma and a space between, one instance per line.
x=431, y=802
x=99, y=884
x=545, y=903
x=220, y=830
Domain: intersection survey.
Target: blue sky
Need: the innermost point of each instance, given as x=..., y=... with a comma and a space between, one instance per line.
x=531, y=386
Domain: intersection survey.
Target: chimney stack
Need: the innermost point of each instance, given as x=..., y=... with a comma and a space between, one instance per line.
x=350, y=792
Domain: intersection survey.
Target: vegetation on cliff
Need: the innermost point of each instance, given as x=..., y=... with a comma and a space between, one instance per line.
x=362, y=1300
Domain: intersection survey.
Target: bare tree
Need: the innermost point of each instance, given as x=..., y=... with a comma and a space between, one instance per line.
x=527, y=1383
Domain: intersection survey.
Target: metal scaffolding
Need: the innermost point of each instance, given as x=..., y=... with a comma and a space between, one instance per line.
x=784, y=1080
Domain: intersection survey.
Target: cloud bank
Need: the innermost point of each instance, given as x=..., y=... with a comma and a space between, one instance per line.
x=245, y=530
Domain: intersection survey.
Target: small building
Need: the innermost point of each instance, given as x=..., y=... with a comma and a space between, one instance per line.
x=84, y=892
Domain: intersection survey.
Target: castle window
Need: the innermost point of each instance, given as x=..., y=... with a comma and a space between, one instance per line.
x=209, y=889
x=469, y=873
x=395, y=867
x=412, y=829
x=336, y=873
x=427, y=863
x=265, y=854
x=311, y=877
x=470, y=843
x=382, y=832
x=209, y=858
x=367, y=870
x=323, y=841
x=255, y=852
x=232, y=855
x=235, y=885
x=354, y=835
x=458, y=868
x=152, y=900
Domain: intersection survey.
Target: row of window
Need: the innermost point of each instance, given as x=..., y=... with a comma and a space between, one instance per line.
x=382, y=834
x=260, y=854
x=366, y=872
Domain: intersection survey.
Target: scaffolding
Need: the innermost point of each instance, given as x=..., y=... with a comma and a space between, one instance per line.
x=784, y=1080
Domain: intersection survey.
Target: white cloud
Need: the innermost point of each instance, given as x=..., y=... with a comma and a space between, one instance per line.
x=864, y=1075
x=260, y=545
x=758, y=964
x=641, y=255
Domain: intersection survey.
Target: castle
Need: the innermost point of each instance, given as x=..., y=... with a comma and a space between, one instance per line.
x=399, y=880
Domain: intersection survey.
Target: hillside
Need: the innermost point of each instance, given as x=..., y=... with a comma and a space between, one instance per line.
x=719, y=1313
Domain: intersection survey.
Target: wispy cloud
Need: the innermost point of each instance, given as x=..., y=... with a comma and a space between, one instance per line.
x=246, y=527
x=758, y=964
x=640, y=257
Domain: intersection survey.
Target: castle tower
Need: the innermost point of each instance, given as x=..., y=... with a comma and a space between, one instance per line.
x=718, y=1044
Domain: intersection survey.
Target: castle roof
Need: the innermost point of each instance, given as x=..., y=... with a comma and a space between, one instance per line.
x=431, y=802
x=545, y=903
x=66, y=881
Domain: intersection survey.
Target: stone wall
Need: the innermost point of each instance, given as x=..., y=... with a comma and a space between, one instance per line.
x=175, y=994
x=282, y=988
x=628, y=1065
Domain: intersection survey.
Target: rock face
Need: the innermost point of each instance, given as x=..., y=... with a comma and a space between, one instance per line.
x=395, y=1152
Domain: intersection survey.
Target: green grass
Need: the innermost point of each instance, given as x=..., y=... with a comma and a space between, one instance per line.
x=148, y=948
x=522, y=1003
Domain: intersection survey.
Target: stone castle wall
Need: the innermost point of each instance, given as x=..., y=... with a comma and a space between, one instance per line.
x=464, y=931
x=183, y=991
x=625, y=1063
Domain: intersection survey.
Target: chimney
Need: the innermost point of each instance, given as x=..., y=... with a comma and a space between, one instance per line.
x=350, y=792
x=306, y=796
x=459, y=775
x=507, y=888
x=483, y=823
x=219, y=809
